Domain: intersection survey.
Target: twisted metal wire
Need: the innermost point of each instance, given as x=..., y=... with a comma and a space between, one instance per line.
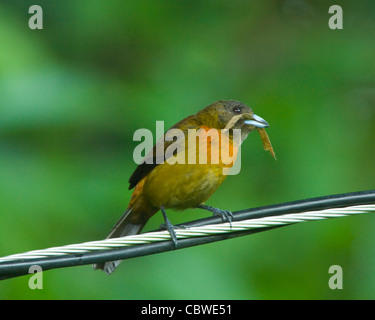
x=198, y=232
x=150, y=237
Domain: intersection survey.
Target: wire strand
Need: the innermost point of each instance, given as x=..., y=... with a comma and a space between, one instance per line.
x=198, y=232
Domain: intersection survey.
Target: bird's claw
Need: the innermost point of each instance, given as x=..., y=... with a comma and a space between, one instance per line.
x=170, y=227
x=163, y=226
x=226, y=215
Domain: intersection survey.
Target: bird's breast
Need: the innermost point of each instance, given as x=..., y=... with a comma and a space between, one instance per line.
x=181, y=186
x=194, y=172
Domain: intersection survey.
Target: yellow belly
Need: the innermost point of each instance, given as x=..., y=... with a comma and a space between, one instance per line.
x=182, y=186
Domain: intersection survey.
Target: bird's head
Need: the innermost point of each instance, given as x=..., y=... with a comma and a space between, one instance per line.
x=231, y=114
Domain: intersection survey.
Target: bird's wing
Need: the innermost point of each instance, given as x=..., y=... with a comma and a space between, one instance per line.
x=152, y=159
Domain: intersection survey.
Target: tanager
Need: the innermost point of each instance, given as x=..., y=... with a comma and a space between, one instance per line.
x=187, y=184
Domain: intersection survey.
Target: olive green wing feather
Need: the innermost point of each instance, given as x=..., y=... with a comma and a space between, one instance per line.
x=152, y=159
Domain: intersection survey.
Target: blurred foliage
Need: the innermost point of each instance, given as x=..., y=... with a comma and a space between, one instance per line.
x=72, y=95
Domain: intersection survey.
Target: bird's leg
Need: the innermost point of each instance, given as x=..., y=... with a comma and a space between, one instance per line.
x=225, y=214
x=170, y=227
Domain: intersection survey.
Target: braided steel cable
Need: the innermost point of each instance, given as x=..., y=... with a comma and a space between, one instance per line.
x=197, y=232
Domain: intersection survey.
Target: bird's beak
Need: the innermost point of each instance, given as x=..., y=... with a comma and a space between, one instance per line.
x=257, y=121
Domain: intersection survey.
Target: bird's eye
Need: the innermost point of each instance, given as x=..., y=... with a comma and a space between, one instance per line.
x=237, y=110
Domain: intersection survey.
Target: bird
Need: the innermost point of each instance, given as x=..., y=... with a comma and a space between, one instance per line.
x=182, y=185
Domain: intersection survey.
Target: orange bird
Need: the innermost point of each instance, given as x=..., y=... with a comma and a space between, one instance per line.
x=186, y=183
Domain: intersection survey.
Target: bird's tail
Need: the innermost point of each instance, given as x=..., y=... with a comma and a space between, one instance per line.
x=123, y=227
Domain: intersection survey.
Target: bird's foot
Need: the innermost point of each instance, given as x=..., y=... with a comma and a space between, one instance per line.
x=163, y=226
x=170, y=227
x=226, y=215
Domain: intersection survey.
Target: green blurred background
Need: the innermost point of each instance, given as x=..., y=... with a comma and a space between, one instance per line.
x=72, y=95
